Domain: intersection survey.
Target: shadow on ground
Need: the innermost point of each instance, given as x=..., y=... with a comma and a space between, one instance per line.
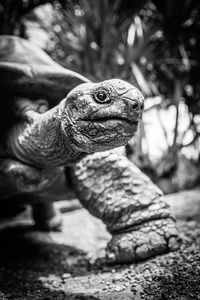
x=35, y=265
x=26, y=257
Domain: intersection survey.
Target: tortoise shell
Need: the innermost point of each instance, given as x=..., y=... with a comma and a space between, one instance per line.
x=26, y=70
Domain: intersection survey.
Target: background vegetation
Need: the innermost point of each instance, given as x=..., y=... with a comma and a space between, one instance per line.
x=153, y=44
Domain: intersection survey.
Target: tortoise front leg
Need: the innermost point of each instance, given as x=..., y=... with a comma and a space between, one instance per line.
x=131, y=206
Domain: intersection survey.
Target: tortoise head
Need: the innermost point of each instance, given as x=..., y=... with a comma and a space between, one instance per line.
x=101, y=116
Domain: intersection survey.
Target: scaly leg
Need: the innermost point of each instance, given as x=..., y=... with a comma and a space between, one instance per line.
x=131, y=206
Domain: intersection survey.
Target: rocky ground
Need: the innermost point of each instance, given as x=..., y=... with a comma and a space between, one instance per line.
x=35, y=265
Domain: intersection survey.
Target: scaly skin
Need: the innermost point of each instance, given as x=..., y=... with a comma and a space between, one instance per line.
x=108, y=185
x=114, y=190
x=79, y=125
x=93, y=117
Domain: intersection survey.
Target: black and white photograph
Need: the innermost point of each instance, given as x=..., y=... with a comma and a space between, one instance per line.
x=99, y=150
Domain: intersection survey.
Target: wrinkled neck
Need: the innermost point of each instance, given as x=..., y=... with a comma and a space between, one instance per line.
x=42, y=143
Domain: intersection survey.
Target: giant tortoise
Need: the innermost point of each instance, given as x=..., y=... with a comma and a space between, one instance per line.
x=59, y=131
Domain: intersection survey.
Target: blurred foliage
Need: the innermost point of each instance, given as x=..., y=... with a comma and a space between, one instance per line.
x=153, y=44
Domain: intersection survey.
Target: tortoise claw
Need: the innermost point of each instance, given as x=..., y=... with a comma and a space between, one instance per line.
x=143, y=242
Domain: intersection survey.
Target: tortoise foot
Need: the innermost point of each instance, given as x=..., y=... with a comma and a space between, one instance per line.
x=143, y=241
x=47, y=217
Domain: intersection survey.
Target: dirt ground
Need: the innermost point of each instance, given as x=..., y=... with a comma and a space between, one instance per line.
x=35, y=265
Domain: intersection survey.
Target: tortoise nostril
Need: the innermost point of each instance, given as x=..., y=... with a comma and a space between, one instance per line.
x=142, y=106
x=135, y=105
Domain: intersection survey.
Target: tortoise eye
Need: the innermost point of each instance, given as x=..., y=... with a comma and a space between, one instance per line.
x=101, y=97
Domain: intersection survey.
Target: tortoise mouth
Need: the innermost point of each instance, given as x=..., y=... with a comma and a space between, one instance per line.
x=102, y=120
